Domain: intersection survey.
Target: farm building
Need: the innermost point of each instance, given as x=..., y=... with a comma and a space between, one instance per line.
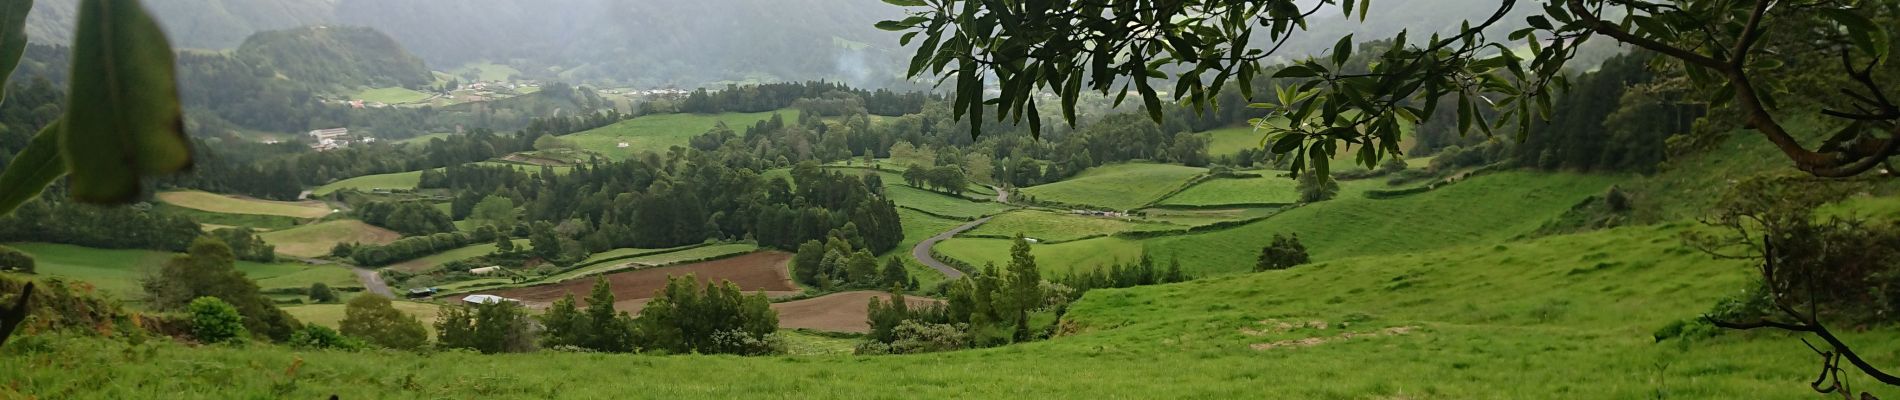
x=486, y=299
x=421, y=292
x=485, y=270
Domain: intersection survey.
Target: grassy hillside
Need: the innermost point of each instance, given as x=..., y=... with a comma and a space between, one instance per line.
x=117, y=272
x=219, y=203
x=316, y=240
x=398, y=180
x=656, y=133
x=390, y=95
x=1559, y=317
x=436, y=260
x=700, y=253
x=940, y=203
x=1484, y=209
x=1059, y=258
x=1118, y=186
x=1055, y=226
x=1214, y=192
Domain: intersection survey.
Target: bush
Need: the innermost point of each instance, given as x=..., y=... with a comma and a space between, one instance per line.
x=685, y=318
x=321, y=337
x=1617, y=200
x=914, y=337
x=14, y=260
x=1315, y=188
x=1285, y=252
x=374, y=319
x=498, y=327
x=215, y=321
x=321, y=293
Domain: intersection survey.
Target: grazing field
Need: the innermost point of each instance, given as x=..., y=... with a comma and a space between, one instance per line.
x=391, y=95
x=895, y=177
x=1054, y=226
x=1230, y=141
x=836, y=312
x=207, y=218
x=667, y=258
x=316, y=240
x=1559, y=317
x=620, y=252
x=941, y=204
x=487, y=71
x=1199, y=217
x=217, y=203
x=761, y=271
x=1119, y=186
x=656, y=133
x=1484, y=209
x=1052, y=259
x=117, y=272
x=1235, y=191
x=331, y=315
x=398, y=180
x=433, y=261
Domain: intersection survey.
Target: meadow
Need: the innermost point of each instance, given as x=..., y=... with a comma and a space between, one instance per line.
x=316, y=240
x=390, y=95
x=218, y=203
x=331, y=315
x=1119, y=186
x=654, y=260
x=259, y=222
x=1052, y=226
x=1558, y=317
x=433, y=261
x=117, y=272
x=656, y=133
x=397, y=180
x=940, y=203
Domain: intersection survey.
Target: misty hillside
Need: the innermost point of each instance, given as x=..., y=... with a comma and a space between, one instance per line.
x=345, y=56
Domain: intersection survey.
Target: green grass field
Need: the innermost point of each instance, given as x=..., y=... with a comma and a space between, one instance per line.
x=487, y=71
x=1200, y=217
x=331, y=315
x=1229, y=141
x=1558, y=317
x=656, y=133
x=253, y=221
x=117, y=272
x=717, y=250
x=1484, y=209
x=1056, y=226
x=940, y=203
x=316, y=240
x=431, y=262
x=1052, y=259
x=1226, y=191
x=398, y=180
x=1118, y=186
x=391, y=95
x=217, y=203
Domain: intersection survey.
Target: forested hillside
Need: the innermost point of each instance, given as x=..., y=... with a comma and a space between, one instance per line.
x=327, y=55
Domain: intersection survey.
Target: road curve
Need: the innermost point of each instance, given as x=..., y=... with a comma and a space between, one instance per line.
x=1002, y=196
x=373, y=281
x=921, y=252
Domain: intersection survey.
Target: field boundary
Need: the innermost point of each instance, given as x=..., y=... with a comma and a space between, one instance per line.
x=529, y=284
x=1218, y=206
x=1382, y=194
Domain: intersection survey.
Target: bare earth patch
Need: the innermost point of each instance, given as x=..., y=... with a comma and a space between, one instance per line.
x=760, y=271
x=837, y=312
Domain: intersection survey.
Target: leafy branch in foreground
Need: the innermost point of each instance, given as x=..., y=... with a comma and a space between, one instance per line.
x=1064, y=47
x=123, y=120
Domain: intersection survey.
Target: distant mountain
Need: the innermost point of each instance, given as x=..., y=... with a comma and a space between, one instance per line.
x=336, y=56
x=198, y=24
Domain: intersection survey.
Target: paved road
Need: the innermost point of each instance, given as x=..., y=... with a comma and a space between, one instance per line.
x=922, y=251
x=373, y=281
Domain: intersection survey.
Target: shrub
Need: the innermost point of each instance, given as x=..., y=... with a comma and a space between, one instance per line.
x=1617, y=200
x=321, y=337
x=14, y=260
x=1392, y=166
x=1284, y=252
x=685, y=317
x=498, y=327
x=374, y=319
x=215, y=321
x=1315, y=188
x=321, y=293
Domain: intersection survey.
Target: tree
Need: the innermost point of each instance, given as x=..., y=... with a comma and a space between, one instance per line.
x=315, y=336
x=495, y=211
x=1024, y=289
x=714, y=319
x=1316, y=188
x=609, y=330
x=493, y=327
x=563, y=325
x=861, y=269
x=376, y=320
x=894, y=275
x=1284, y=252
x=215, y=321
x=320, y=293
x=1052, y=47
x=208, y=269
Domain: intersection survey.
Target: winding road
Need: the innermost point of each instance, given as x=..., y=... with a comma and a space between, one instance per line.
x=373, y=281
x=921, y=252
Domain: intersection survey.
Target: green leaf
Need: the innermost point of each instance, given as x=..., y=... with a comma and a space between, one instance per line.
x=35, y=167
x=1295, y=71
x=124, y=120
x=906, y=3
x=12, y=37
x=1866, y=35
x=892, y=25
x=1342, y=51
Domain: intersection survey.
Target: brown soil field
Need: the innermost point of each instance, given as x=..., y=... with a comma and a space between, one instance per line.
x=836, y=312
x=760, y=271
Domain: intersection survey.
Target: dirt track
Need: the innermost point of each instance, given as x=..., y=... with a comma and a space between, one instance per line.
x=760, y=271
x=836, y=312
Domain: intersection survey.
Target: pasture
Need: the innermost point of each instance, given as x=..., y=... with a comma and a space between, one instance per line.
x=316, y=240
x=117, y=272
x=397, y=180
x=433, y=261
x=1052, y=259
x=1238, y=191
x=331, y=315
x=656, y=133
x=218, y=203
x=1119, y=186
x=763, y=271
x=391, y=95
x=1051, y=226
x=653, y=260
x=940, y=203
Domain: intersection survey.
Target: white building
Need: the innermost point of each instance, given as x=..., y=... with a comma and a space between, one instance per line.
x=486, y=299
x=485, y=270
